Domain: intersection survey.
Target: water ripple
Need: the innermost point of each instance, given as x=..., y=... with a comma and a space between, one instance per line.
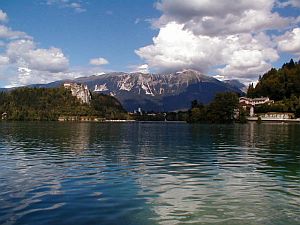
x=147, y=173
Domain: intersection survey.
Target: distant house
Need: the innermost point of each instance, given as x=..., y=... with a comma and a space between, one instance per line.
x=249, y=103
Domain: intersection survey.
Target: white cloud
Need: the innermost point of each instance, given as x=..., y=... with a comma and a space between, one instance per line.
x=17, y=49
x=75, y=5
x=3, y=16
x=219, y=77
x=237, y=55
x=26, y=53
x=144, y=68
x=295, y=3
x=98, y=61
x=221, y=17
x=4, y=60
x=51, y=60
x=175, y=48
x=25, y=76
x=237, y=71
x=290, y=41
x=7, y=33
x=20, y=75
x=230, y=39
x=22, y=62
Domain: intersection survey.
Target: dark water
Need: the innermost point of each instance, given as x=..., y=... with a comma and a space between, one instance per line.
x=149, y=173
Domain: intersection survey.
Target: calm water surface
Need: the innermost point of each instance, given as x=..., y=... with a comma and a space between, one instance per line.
x=149, y=173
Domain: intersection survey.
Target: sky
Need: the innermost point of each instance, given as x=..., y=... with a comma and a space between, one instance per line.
x=47, y=40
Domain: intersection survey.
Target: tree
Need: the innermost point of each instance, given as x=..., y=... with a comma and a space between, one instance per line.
x=278, y=84
x=222, y=108
x=297, y=112
x=251, y=91
x=196, y=104
x=242, y=115
x=49, y=104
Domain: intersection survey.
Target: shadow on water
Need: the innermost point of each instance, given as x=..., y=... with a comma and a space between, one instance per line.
x=149, y=173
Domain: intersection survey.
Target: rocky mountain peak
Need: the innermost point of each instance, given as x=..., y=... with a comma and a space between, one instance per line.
x=156, y=92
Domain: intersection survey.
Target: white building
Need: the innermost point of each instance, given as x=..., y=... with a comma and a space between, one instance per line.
x=80, y=91
x=250, y=103
x=255, y=101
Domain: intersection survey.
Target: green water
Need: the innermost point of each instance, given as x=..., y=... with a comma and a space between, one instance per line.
x=149, y=173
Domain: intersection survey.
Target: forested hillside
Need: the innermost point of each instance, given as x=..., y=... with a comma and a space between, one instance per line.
x=278, y=84
x=50, y=103
x=282, y=86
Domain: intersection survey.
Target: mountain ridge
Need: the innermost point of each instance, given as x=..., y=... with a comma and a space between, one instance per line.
x=153, y=92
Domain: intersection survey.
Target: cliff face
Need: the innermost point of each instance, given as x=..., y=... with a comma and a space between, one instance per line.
x=80, y=91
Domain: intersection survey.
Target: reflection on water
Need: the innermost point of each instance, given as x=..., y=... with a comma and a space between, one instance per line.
x=149, y=173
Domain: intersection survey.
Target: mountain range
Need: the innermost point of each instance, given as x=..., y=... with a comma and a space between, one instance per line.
x=155, y=92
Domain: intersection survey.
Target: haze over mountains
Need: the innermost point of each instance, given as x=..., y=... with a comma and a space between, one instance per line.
x=155, y=92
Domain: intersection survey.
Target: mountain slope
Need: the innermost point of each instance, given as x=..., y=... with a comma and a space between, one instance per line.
x=236, y=84
x=154, y=92
x=158, y=92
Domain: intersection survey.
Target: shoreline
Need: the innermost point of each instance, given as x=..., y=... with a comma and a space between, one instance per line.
x=275, y=120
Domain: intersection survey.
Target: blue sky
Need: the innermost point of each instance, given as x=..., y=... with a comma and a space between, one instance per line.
x=110, y=29
x=46, y=40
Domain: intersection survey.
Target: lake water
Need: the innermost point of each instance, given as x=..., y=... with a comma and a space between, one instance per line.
x=149, y=173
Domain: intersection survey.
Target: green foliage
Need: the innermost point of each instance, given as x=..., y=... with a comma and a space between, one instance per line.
x=251, y=91
x=283, y=86
x=107, y=106
x=278, y=84
x=242, y=118
x=49, y=104
x=297, y=112
x=221, y=110
x=177, y=116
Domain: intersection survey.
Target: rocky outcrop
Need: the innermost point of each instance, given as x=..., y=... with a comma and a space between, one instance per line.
x=80, y=91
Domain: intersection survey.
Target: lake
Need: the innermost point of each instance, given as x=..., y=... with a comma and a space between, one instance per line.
x=149, y=173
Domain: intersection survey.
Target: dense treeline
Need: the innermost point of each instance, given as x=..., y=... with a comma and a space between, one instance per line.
x=50, y=103
x=221, y=110
x=283, y=86
x=278, y=84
